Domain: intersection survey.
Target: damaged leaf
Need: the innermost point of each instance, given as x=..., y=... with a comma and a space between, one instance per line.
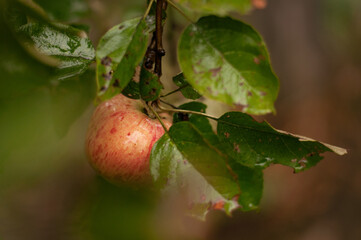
x=118, y=54
x=227, y=60
x=258, y=145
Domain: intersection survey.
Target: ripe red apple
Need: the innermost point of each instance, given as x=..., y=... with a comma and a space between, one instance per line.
x=120, y=138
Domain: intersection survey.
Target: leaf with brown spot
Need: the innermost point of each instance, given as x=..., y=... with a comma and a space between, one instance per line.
x=119, y=52
x=257, y=145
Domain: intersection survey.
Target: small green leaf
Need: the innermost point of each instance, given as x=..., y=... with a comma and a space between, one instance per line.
x=132, y=90
x=149, y=85
x=75, y=52
x=227, y=60
x=201, y=122
x=258, y=145
x=119, y=51
x=187, y=89
x=221, y=7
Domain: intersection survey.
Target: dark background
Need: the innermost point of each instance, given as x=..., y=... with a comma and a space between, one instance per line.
x=48, y=190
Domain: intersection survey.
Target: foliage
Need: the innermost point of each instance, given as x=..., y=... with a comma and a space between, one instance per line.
x=221, y=58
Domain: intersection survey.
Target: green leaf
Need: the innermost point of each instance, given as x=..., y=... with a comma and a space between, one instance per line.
x=206, y=181
x=64, y=10
x=20, y=72
x=187, y=89
x=201, y=122
x=258, y=145
x=250, y=182
x=221, y=7
x=132, y=90
x=119, y=51
x=227, y=60
x=75, y=52
x=149, y=85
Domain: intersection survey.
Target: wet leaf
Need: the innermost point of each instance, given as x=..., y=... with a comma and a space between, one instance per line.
x=258, y=145
x=119, y=52
x=187, y=90
x=75, y=51
x=149, y=85
x=227, y=60
x=20, y=72
x=221, y=7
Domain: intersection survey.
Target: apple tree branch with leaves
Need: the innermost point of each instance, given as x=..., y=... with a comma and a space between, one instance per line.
x=220, y=58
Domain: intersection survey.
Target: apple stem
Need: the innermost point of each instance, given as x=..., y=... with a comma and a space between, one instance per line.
x=148, y=111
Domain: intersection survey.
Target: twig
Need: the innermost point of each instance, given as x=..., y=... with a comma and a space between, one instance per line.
x=189, y=112
x=169, y=104
x=180, y=11
x=174, y=91
x=158, y=38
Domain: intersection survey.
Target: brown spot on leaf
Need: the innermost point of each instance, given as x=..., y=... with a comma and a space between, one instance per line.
x=106, y=61
x=249, y=94
x=226, y=134
x=215, y=71
x=120, y=27
x=302, y=162
x=256, y=60
x=236, y=147
x=116, y=83
x=218, y=205
x=108, y=76
x=153, y=91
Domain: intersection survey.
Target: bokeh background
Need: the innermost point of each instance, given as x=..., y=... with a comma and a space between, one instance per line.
x=48, y=190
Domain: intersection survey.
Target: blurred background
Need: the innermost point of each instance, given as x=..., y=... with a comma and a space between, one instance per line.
x=48, y=190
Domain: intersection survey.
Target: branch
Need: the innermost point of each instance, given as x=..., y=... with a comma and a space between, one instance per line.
x=188, y=112
x=158, y=37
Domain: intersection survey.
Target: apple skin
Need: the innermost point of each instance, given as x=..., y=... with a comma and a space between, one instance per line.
x=120, y=138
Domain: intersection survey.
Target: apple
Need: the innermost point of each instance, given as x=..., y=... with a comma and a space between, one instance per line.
x=120, y=138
